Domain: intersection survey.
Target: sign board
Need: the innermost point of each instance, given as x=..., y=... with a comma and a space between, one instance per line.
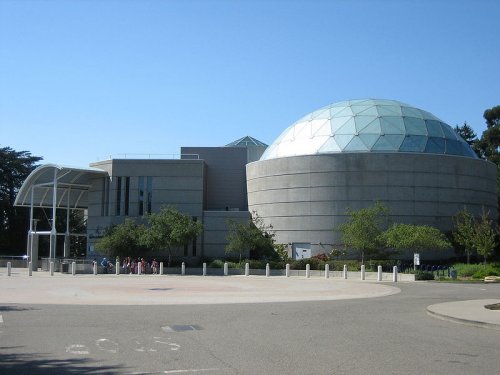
x=416, y=259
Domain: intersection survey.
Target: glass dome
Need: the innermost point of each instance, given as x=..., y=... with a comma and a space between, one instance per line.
x=368, y=125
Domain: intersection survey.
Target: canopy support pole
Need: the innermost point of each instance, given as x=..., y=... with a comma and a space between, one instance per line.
x=53, y=237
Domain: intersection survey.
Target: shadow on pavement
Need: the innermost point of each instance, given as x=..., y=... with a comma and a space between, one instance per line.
x=36, y=364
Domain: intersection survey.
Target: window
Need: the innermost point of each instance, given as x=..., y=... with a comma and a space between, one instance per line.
x=149, y=188
x=105, y=197
x=141, y=195
x=118, y=196
x=195, y=219
x=127, y=194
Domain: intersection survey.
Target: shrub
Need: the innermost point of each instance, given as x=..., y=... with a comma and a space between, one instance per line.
x=424, y=275
x=477, y=271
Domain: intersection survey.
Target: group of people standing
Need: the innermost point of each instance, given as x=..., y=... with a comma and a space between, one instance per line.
x=131, y=266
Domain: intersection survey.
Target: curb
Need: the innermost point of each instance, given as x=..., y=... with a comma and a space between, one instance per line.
x=474, y=323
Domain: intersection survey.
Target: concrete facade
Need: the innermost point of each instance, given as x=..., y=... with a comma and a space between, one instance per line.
x=306, y=197
x=207, y=183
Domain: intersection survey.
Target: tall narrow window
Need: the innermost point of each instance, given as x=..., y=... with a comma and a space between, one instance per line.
x=195, y=219
x=103, y=196
x=141, y=195
x=127, y=194
x=150, y=193
x=118, y=195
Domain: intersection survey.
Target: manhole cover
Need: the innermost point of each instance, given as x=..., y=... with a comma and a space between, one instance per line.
x=181, y=328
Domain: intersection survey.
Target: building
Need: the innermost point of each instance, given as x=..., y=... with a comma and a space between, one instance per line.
x=353, y=153
x=208, y=183
x=346, y=155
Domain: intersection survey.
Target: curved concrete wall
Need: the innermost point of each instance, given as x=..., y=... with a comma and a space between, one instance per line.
x=305, y=197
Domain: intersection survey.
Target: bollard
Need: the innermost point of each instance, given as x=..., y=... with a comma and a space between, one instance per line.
x=308, y=270
x=95, y=268
x=51, y=268
x=362, y=272
x=345, y=271
x=183, y=269
x=204, y=269
x=139, y=268
x=9, y=266
x=327, y=271
x=161, y=268
x=73, y=268
x=395, y=273
x=287, y=270
x=379, y=273
x=226, y=270
x=267, y=270
x=247, y=269
x=30, y=269
x=117, y=268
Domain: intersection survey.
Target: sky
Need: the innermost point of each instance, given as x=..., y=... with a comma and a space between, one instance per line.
x=83, y=80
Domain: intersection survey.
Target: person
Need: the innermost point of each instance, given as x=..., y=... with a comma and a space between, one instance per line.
x=104, y=264
x=154, y=266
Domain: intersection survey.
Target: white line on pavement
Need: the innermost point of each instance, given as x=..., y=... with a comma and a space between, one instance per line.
x=190, y=370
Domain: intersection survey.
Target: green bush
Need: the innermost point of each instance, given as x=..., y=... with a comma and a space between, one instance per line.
x=477, y=271
x=424, y=275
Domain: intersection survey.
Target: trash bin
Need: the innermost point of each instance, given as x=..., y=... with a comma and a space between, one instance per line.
x=65, y=267
x=453, y=274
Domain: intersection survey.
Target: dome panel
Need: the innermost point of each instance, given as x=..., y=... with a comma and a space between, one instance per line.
x=415, y=126
x=365, y=125
x=356, y=145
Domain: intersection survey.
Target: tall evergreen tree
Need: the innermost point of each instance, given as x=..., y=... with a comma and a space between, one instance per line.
x=15, y=166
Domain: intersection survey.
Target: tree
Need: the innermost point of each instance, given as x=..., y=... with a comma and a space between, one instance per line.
x=253, y=236
x=489, y=145
x=467, y=133
x=485, y=236
x=15, y=166
x=363, y=228
x=414, y=237
x=170, y=228
x=464, y=231
x=122, y=240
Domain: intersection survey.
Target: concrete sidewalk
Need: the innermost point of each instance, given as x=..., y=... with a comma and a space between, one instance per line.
x=472, y=313
x=65, y=289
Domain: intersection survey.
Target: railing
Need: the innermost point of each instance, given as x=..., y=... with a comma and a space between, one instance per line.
x=151, y=156
x=17, y=261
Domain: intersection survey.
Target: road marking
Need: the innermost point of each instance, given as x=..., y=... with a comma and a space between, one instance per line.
x=190, y=370
x=77, y=349
x=107, y=345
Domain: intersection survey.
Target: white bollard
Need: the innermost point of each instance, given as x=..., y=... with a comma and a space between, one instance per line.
x=308, y=270
x=73, y=268
x=287, y=270
x=267, y=270
x=9, y=266
x=204, y=269
x=183, y=269
x=362, y=272
x=226, y=269
x=30, y=269
x=161, y=268
x=95, y=269
x=395, y=273
x=327, y=271
x=247, y=269
x=139, y=268
x=345, y=271
x=51, y=268
x=379, y=273
x=117, y=267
